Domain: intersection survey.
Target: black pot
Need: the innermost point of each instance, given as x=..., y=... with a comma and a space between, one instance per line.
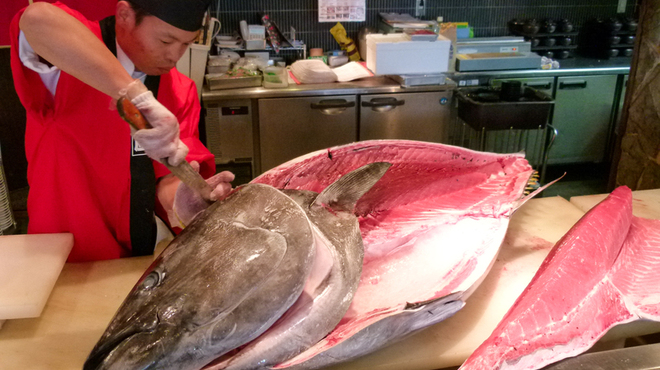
x=565, y=25
x=612, y=53
x=614, y=40
x=531, y=27
x=613, y=24
x=565, y=41
x=627, y=52
x=550, y=41
x=549, y=54
x=630, y=25
x=629, y=39
x=516, y=25
x=535, y=42
x=549, y=26
x=563, y=54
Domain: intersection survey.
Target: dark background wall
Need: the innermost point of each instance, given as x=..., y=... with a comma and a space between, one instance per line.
x=487, y=17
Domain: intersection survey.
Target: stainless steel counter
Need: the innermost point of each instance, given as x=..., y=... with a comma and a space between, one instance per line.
x=573, y=66
x=372, y=85
x=384, y=85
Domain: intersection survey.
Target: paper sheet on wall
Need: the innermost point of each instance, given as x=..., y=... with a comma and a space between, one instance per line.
x=342, y=10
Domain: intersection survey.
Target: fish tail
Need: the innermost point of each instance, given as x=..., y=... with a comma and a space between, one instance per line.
x=534, y=193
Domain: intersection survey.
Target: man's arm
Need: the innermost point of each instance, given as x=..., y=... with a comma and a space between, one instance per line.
x=65, y=42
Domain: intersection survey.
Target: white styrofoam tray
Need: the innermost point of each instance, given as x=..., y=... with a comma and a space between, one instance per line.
x=395, y=54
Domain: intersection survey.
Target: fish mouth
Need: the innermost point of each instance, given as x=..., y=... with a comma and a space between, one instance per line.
x=99, y=354
x=97, y=358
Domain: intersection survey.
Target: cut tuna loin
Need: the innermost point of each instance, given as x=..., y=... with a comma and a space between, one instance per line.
x=602, y=273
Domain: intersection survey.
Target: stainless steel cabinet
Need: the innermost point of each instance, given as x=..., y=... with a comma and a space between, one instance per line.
x=421, y=116
x=582, y=116
x=229, y=130
x=291, y=127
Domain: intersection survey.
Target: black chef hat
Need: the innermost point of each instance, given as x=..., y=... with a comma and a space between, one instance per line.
x=184, y=14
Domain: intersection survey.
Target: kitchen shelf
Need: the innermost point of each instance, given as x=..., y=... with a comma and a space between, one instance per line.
x=540, y=34
x=625, y=46
x=624, y=33
x=556, y=47
x=298, y=47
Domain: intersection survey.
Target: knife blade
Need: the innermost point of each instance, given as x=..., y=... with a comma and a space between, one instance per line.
x=183, y=170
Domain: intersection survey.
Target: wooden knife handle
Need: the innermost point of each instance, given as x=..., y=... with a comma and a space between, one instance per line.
x=183, y=170
x=129, y=112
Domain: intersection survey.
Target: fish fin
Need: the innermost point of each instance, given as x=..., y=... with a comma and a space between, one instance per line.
x=536, y=192
x=345, y=192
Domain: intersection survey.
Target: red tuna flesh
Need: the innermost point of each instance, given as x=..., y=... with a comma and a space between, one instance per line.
x=432, y=226
x=602, y=273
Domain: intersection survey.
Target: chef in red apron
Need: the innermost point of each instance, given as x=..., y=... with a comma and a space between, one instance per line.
x=87, y=175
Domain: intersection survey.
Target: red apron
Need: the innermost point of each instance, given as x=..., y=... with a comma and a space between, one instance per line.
x=78, y=153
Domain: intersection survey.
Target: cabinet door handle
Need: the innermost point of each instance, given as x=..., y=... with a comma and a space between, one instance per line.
x=540, y=85
x=573, y=84
x=334, y=103
x=333, y=106
x=383, y=104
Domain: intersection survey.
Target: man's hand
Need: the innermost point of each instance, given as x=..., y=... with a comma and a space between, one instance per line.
x=188, y=204
x=162, y=140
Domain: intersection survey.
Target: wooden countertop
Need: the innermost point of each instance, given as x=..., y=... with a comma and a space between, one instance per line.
x=87, y=295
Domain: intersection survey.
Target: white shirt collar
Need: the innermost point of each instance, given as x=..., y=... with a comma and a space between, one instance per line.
x=128, y=65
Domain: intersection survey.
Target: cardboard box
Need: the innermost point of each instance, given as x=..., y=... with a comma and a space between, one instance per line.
x=394, y=54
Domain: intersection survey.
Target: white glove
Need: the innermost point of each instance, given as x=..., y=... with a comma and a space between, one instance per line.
x=188, y=203
x=161, y=141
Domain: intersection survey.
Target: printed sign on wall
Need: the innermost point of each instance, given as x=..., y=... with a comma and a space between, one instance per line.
x=342, y=10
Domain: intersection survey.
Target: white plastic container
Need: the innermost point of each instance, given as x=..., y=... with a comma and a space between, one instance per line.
x=395, y=54
x=275, y=77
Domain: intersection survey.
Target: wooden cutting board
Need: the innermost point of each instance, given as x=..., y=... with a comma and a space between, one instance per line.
x=29, y=267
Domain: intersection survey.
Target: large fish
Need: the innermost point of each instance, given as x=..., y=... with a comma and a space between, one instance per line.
x=234, y=271
x=335, y=275
x=602, y=273
x=431, y=227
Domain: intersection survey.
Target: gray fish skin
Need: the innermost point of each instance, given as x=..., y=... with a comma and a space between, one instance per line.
x=223, y=281
x=318, y=311
x=386, y=332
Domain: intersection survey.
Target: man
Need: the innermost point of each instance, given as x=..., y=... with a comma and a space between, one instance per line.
x=86, y=175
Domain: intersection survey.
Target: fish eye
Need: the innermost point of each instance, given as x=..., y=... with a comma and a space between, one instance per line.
x=151, y=280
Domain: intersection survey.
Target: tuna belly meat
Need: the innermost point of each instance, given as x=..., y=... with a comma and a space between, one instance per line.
x=399, y=292
x=602, y=273
x=431, y=226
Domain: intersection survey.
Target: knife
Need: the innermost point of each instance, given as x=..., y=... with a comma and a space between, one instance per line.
x=183, y=170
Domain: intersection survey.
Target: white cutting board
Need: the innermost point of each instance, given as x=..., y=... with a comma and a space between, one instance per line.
x=29, y=267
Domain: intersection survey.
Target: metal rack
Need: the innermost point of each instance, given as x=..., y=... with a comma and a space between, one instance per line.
x=536, y=143
x=299, y=48
x=505, y=126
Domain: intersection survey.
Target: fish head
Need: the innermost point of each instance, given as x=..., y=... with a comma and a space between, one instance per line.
x=163, y=320
x=202, y=297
